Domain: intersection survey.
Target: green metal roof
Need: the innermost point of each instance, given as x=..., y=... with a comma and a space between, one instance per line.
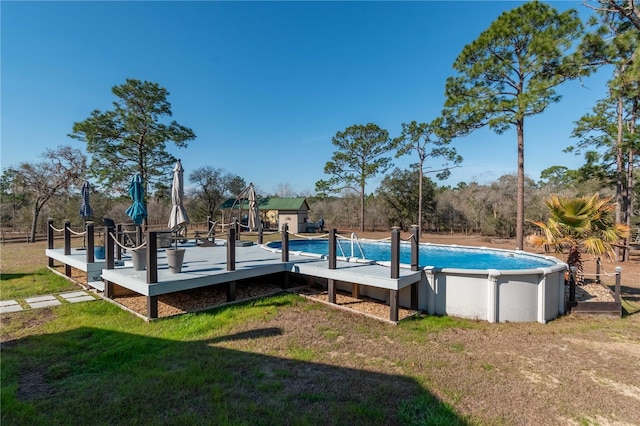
x=269, y=203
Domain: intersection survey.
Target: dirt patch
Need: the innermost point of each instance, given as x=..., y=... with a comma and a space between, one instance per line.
x=22, y=323
x=33, y=384
x=557, y=373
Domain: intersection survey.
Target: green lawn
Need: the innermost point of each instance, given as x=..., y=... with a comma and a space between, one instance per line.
x=39, y=282
x=286, y=360
x=93, y=363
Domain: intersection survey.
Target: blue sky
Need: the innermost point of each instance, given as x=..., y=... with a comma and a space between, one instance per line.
x=264, y=85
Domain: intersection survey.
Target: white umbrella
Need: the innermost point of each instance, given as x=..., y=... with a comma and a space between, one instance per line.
x=254, y=214
x=178, y=214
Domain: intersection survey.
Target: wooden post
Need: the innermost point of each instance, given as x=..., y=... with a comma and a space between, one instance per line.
x=50, y=239
x=139, y=235
x=332, y=248
x=598, y=270
x=152, y=305
x=236, y=228
x=108, y=289
x=415, y=248
x=393, y=305
x=331, y=290
x=108, y=248
x=231, y=249
x=67, y=247
x=49, y=233
x=67, y=238
x=285, y=243
x=616, y=293
x=90, y=241
x=260, y=234
x=119, y=237
x=355, y=291
x=415, y=263
x=231, y=291
x=395, y=252
x=152, y=262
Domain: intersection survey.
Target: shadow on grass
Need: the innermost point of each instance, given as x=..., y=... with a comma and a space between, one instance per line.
x=96, y=376
x=630, y=307
x=8, y=277
x=630, y=299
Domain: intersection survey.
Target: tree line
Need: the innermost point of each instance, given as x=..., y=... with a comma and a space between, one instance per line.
x=509, y=73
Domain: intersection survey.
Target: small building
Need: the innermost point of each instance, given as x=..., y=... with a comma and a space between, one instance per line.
x=274, y=212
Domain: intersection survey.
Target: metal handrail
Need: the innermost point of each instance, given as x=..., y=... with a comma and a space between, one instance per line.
x=354, y=237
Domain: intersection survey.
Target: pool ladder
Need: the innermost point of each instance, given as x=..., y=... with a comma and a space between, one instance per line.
x=354, y=241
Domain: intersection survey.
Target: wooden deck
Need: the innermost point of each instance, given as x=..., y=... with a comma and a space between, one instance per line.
x=78, y=259
x=206, y=266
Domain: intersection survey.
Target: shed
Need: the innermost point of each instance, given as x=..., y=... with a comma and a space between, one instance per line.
x=275, y=212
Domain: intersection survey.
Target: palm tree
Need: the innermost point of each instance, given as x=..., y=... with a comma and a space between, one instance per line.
x=580, y=225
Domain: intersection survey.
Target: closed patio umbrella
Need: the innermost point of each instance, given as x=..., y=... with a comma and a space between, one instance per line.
x=137, y=212
x=85, y=207
x=254, y=214
x=178, y=214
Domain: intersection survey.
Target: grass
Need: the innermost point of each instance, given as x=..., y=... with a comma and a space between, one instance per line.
x=286, y=360
x=94, y=363
x=40, y=282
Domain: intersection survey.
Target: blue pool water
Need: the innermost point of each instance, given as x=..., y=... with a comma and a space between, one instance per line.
x=430, y=255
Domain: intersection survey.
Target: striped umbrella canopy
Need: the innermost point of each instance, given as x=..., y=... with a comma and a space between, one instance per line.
x=178, y=214
x=85, y=208
x=137, y=211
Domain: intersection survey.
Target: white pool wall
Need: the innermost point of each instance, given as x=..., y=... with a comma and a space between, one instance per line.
x=524, y=295
x=496, y=296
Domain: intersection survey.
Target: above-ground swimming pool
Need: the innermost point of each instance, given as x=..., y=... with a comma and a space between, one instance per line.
x=470, y=282
x=437, y=256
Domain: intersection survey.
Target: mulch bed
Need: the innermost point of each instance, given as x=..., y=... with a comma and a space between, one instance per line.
x=210, y=297
x=196, y=299
x=592, y=292
x=365, y=305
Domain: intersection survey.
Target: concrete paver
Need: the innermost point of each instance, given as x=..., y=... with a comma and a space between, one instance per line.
x=37, y=299
x=85, y=298
x=10, y=306
x=35, y=302
x=72, y=294
x=43, y=301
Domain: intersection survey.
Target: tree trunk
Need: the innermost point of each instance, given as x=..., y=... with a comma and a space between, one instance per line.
x=362, y=207
x=520, y=184
x=620, y=172
x=630, y=181
x=420, y=174
x=34, y=221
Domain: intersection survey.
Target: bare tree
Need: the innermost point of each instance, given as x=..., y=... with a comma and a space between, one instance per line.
x=62, y=169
